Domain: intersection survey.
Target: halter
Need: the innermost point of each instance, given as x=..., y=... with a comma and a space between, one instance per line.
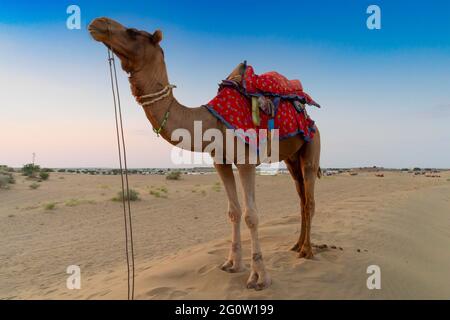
x=157, y=96
x=162, y=94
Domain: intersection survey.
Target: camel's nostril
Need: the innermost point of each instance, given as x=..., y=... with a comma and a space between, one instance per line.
x=98, y=23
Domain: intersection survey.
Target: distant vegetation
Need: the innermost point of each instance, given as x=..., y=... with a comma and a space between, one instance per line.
x=34, y=185
x=134, y=195
x=44, y=175
x=159, y=192
x=173, y=175
x=141, y=171
x=6, y=177
x=34, y=171
x=31, y=170
x=50, y=206
x=72, y=202
x=4, y=168
x=4, y=181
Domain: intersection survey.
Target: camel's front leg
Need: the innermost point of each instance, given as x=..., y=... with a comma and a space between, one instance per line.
x=259, y=277
x=234, y=262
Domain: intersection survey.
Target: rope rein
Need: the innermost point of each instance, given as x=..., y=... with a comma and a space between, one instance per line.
x=164, y=93
x=129, y=246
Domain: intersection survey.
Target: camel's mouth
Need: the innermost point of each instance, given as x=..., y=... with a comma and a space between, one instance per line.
x=97, y=35
x=99, y=29
x=109, y=32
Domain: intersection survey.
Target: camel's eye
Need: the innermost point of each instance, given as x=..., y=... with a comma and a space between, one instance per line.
x=132, y=33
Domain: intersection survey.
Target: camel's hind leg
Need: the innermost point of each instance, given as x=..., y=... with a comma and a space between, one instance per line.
x=234, y=261
x=293, y=165
x=304, y=167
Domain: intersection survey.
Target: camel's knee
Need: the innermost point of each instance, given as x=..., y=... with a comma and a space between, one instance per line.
x=251, y=218
x=234, y=215
x=310, y=169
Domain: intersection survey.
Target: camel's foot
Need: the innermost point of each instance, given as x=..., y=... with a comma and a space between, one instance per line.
x=232, y=266
x=306, y=252
x=296, y=247
x=259, y=280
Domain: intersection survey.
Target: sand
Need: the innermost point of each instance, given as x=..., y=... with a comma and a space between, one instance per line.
x=399, y=222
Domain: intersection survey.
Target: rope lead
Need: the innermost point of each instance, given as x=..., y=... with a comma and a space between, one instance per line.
x=129, y=247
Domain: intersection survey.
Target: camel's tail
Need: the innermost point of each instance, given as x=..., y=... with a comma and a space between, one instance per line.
x=319, y=173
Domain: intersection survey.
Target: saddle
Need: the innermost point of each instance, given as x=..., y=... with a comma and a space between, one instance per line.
x=246, y=101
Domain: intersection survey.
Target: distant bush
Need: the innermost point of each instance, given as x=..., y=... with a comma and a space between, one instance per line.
x=159, y=192
x=30, y=170
x=173, y=175
x=4, y=168
x=6, y=177
x=4, y=181
x=72, y=203
x=155, y=193
x=11, y=180
x=34, y=185
x=134, y=195
x=43, y=175
x=50, y=206
x=47, y=170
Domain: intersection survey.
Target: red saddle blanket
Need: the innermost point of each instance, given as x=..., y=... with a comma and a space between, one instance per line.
x=233, y=105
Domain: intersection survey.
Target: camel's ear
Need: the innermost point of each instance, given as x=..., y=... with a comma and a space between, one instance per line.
x=157, y=36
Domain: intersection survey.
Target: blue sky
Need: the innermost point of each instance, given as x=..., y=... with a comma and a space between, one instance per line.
x=385, y=93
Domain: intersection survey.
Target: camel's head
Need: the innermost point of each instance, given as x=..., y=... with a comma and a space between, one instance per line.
x=134, y=48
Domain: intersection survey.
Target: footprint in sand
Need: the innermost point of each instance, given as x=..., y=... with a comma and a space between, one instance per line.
x=325, y=247
x=206, y=269
x=165, y=292
x=218, y=251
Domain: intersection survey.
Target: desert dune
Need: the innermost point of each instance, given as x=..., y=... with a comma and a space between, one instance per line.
x=399, y=222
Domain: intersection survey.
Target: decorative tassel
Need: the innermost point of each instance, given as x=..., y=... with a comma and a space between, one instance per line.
x=255, y=111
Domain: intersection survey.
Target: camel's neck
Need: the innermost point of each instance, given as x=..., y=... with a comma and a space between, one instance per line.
x=180, y=117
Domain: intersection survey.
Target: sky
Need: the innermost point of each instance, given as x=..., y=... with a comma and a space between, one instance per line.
x=385, y=94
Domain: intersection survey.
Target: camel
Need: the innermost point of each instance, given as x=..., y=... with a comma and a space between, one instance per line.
x=142, y=58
